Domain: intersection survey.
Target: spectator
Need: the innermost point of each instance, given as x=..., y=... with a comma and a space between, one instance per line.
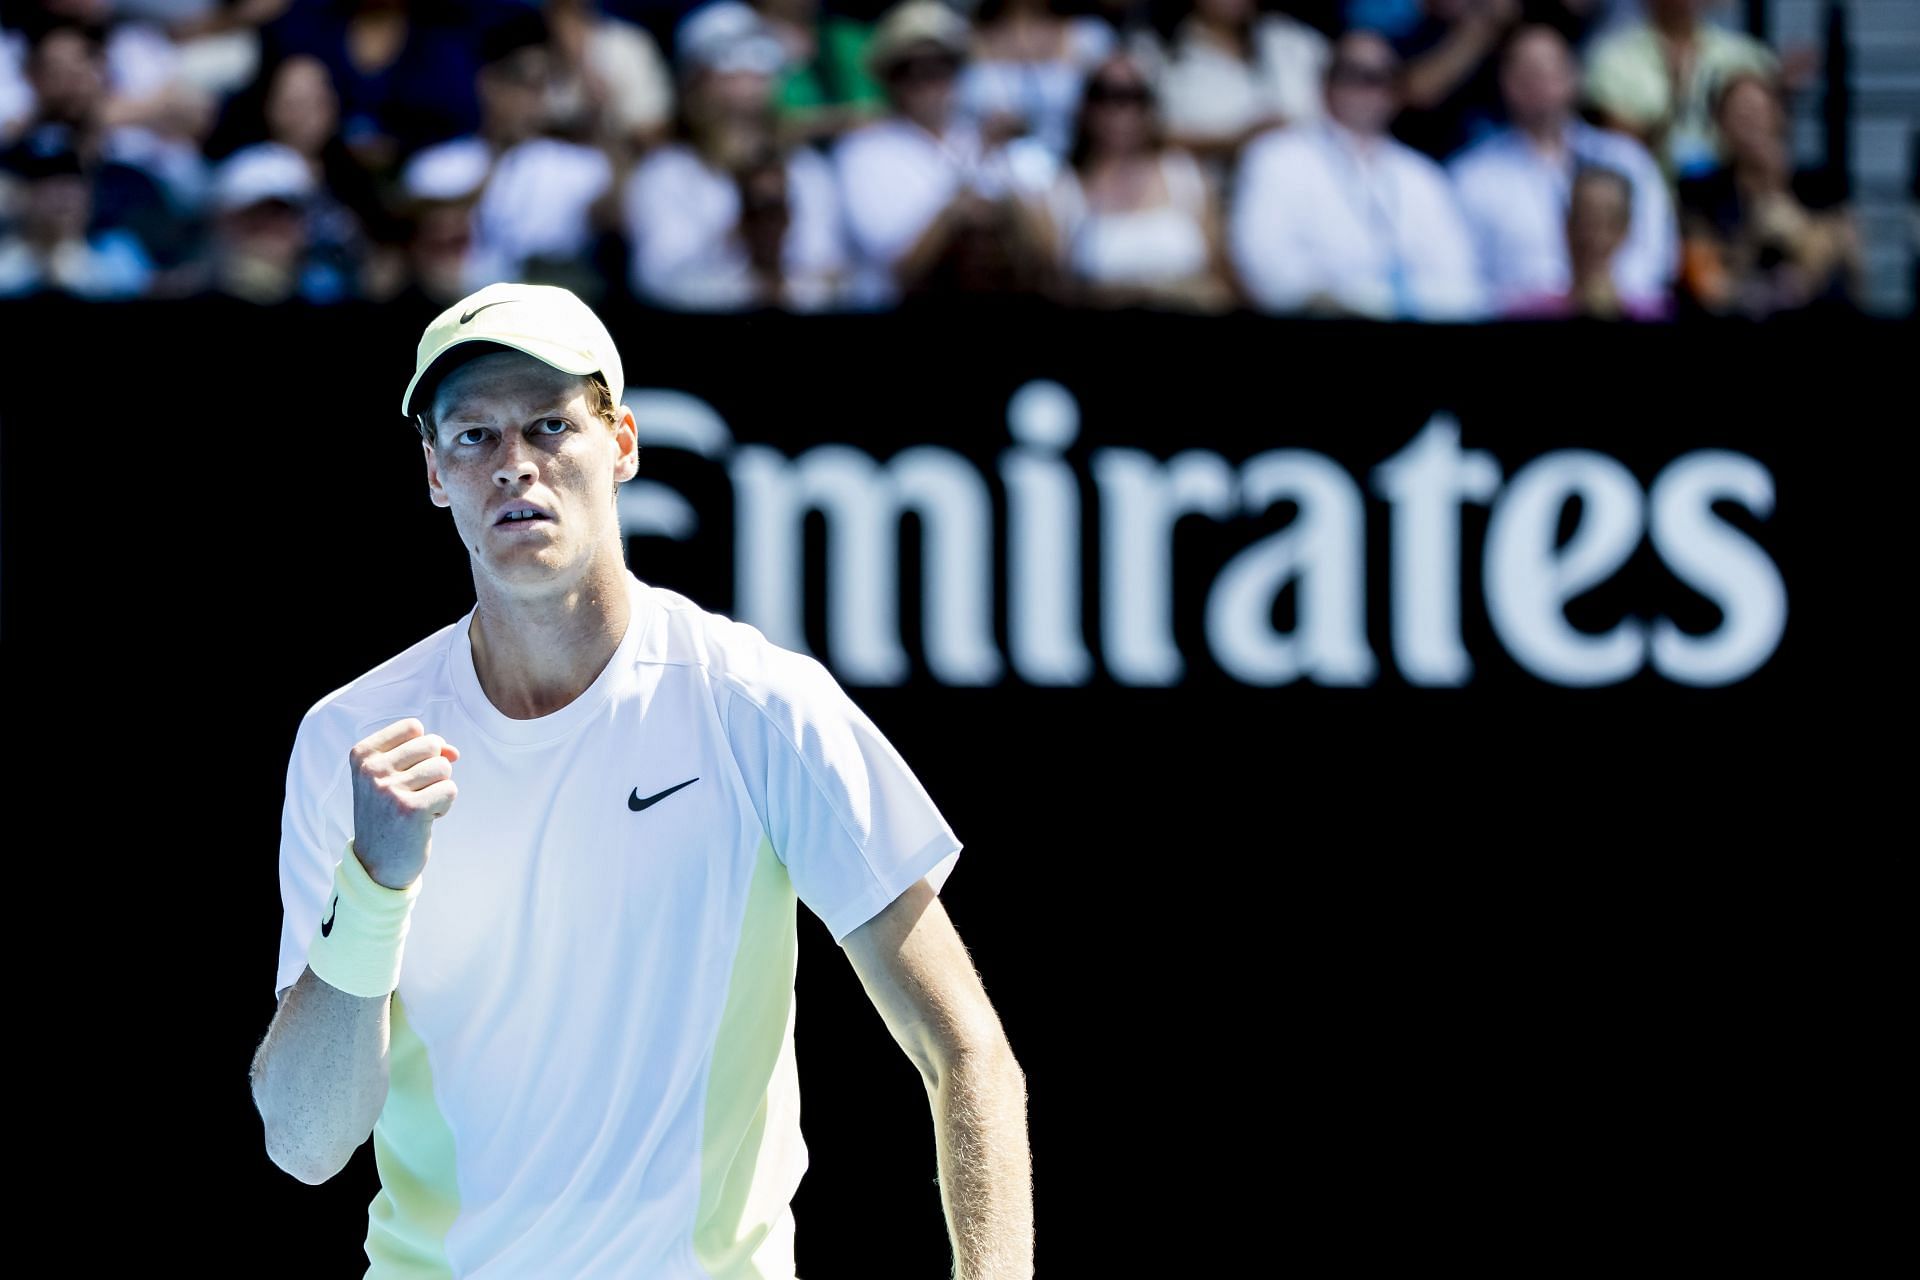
x=724, y=217
x=1515, y=186
x=1026, y=70
x=1452, y=88
x=541, y=203
x=1600, y=209
x=931, y=203
x=1760, y=237
x=1233, y=72
x=1338, y=216
x=51, y=248
x=264, y=247
x=1656, y=80
x=140, y=181
x=1134, y=221
x=826, y=89
x=404, y=69
x=611, y=84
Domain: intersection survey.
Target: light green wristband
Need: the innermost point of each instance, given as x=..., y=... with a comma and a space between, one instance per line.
x=358, y=944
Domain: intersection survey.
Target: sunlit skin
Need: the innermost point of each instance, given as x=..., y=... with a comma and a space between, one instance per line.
x=550, y=595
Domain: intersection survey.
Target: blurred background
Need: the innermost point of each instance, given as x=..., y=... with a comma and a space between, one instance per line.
x=1640, y=159
x=1377, y=522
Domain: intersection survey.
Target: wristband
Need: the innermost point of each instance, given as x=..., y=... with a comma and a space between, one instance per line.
x=357, y=946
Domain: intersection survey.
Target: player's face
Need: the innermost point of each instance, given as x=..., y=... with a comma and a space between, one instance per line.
x=515, y=434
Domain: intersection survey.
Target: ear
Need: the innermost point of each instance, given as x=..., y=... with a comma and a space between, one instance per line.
x=436, y=491
x=626, y=438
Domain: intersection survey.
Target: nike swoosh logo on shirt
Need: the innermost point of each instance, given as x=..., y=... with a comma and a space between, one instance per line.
x=326, y=926
x=635, y=803
x=483, y=306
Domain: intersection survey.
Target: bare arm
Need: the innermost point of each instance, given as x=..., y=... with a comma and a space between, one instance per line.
x=919, y=976
x=320, y=1075
x=1431, y=78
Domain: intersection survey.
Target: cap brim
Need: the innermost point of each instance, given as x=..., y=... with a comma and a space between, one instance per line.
x=561, y=358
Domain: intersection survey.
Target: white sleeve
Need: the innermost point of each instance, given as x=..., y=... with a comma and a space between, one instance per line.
x=316, y=821
x=841, y=808
x=1650, y=258
x=1447, y=282
x=887, y=204
x=1268, y=244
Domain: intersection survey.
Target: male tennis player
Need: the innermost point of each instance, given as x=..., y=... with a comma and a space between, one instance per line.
x=539, y=874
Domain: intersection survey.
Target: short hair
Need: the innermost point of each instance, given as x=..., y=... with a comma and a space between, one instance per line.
x=1589, y=172
x=599, y=398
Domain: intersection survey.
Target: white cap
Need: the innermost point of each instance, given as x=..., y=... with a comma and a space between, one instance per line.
x=545, y=321
x=727, y=35
x=263, y=171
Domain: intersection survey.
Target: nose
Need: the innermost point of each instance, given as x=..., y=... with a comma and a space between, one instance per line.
x=516, y=461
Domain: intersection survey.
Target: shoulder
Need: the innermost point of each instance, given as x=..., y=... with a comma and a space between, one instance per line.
x=1089, y=39
x=407, y=684
x=1615, y=150
x=1279, y=33
x=1416, y=165
x=1480, y=160
x=882, y=137
x=735, y=655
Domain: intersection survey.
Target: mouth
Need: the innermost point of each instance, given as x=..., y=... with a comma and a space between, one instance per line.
x=523, y=514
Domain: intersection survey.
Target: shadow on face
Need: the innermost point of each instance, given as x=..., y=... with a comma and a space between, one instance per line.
x=1363, y=83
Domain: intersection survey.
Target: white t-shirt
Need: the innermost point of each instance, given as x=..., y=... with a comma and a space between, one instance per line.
x=592, y=1062
x=1160, y=244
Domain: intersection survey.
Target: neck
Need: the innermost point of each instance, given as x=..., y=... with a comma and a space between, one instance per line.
x=1363, y=143
x=1547, y=133
x=535, y=654
x=1677, y=27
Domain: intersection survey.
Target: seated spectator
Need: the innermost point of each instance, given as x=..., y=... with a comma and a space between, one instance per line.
x=141, y=181
x=50, y=247
x=1762, y=237
x=1600, y=208
x=611, y=85
x=266, y=249
x=1656, y=79
x=826, y=89
x=1451, y=91
x=930, y=203
x=1135, y=222
x=1340, y=217
x=540, y=203
x=724, y=218
x=1515, y=186
x=1026, y=69
x=404, y=69
x=1233, y=72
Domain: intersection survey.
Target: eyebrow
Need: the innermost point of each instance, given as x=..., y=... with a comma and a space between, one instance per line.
x=551, y=409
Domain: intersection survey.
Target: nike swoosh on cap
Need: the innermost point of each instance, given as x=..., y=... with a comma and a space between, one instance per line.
x=483, y=306
x=635, y=803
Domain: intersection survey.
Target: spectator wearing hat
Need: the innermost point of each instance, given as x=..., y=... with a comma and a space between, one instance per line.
x=1515, y=186
x=826, y=88
x=1340, y=216
x=1135, y=222
x=540, y=203
x=50, y=248
x=1232, y=72
x=1600, y=213
x=276, y=234
x=725, y=217
x=924, y=184
x=611, y=84
x=1027, y=66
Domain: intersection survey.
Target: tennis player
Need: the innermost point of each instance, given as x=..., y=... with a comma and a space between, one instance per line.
x=539, y=874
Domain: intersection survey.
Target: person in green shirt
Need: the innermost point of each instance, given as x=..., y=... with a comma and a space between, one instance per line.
x=826, y=88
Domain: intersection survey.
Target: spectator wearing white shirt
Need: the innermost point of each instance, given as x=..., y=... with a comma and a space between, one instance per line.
x=539, y=203
x=50, y=248
x=1516, y=186
x=1340, y=217
x=722, y=218
x=1233, y=72
x=922, y=189
x=611, y=84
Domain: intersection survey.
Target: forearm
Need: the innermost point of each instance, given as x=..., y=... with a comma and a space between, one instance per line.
x=320, y=1076
x=986, y=1170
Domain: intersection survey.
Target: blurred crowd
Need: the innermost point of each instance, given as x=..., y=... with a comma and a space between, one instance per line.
x=1408, y=159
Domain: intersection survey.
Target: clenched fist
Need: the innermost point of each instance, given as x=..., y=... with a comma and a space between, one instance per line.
x=402, y=781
